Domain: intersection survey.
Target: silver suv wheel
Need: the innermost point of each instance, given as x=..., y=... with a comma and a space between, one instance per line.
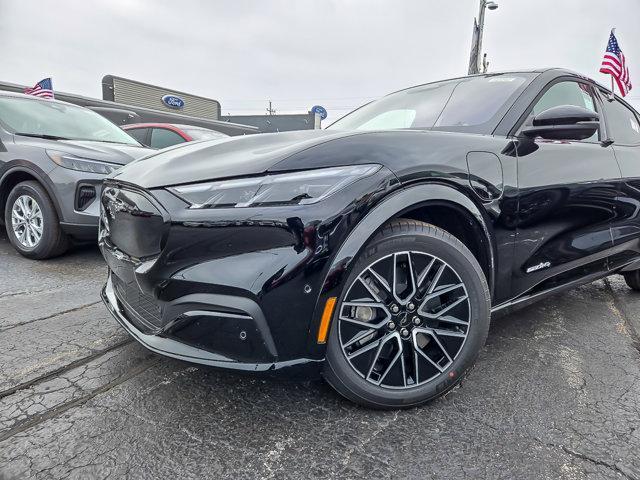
x=27, y=221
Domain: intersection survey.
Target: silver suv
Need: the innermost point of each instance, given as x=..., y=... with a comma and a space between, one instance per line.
x=53, y=157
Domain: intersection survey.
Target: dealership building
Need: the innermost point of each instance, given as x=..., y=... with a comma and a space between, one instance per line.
x=125, y=101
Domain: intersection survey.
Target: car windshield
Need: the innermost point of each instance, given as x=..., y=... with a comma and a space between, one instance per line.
x=471, y=104
x=203, y=133
x=44, y=118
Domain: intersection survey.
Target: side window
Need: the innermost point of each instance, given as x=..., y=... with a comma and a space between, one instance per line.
x=622, y=123
x=140, y=134
x=162, y=138
x=565, y=93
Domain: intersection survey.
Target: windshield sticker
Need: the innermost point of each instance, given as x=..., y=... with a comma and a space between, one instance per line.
x=502, y=79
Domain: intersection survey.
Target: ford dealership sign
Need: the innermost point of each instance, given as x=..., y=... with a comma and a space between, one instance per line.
x=172, y=101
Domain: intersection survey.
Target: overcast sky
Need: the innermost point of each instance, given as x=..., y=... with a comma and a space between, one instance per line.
x=337, y=53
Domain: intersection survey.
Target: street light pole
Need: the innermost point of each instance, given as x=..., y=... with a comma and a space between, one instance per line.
x=475, y=59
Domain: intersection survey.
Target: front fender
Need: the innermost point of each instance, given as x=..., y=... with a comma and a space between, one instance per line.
x=26, y=167
x=394, y=206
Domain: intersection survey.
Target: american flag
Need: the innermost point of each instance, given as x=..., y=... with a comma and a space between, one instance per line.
x=615, y=65
x=42, y=89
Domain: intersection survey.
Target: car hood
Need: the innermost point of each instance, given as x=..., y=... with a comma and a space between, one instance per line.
x=101, y=151
x=221, y=158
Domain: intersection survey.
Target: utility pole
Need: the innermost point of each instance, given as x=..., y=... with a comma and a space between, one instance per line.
x=270, y=110
x=477, y=62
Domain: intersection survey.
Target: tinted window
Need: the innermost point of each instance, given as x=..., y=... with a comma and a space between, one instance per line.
x=622, y=123
x=140, y=134
x=470, y=104
x=565, y=93
x=162, y=138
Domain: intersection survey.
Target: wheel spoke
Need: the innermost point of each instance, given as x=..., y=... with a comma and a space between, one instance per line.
x=381, y=343
x=375, y=284
x=445, y=309
x=404, y=284
x=36, y=234
x=15, y=213
x=358, y=337
x=25, y=205
x=417, y=348
x=449, y=333
x=444, y=290
x=29, y=237
x=451, y=319
x=425, y=272
x=364, y=349
x=436, y=279
x=444, y=350
x=370, y=289
x=398, y=356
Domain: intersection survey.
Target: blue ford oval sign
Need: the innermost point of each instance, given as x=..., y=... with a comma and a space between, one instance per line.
x=172, y=101
x=320, y=111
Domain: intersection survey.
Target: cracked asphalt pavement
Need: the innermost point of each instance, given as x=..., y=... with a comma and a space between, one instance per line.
x=555, y=394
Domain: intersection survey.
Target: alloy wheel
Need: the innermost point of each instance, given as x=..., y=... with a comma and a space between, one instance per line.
x=404, y=320
x=27, y=221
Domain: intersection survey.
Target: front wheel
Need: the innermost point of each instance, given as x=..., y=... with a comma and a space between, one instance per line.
x=411, y=321
x=32, y=223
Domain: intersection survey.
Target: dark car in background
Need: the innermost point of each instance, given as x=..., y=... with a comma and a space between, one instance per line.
x=376, y=251
x=53, y=158
x=163, y=135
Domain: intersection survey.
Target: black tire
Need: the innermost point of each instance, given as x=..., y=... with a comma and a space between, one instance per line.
x=409, y=235
x=53, y=241
x=633, y=279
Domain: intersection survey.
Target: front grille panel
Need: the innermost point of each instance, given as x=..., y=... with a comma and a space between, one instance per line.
x=143, y=310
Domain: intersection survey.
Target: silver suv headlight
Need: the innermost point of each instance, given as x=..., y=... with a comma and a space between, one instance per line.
x=67, y=160
x=305, y=187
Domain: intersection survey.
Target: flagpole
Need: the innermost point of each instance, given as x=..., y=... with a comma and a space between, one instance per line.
x=612, y=96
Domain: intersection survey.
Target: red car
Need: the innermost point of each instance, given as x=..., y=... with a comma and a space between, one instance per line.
x=162, y=135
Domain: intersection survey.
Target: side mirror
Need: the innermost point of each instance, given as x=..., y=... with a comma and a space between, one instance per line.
x=565, y=122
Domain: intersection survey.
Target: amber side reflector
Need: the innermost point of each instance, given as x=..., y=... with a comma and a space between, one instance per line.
x=326, y=319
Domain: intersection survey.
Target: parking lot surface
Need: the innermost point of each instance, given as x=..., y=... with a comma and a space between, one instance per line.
x=555, y=394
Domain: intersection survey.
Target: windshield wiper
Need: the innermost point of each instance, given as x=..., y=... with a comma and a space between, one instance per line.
x=41, y=135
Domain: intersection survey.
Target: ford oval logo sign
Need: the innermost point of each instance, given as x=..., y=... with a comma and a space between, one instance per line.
x=172, y=101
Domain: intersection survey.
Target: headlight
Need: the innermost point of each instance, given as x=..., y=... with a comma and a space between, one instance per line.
x=67, y=160
x=309, y=186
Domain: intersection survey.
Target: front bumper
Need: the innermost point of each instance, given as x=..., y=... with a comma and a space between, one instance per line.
x=79, y=221
x=171, y=347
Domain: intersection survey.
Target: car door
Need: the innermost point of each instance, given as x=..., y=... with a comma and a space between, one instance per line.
x=623, y=130
x=567, y=192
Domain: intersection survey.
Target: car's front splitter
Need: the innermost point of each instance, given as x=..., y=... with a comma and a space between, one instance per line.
x=172, y=348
